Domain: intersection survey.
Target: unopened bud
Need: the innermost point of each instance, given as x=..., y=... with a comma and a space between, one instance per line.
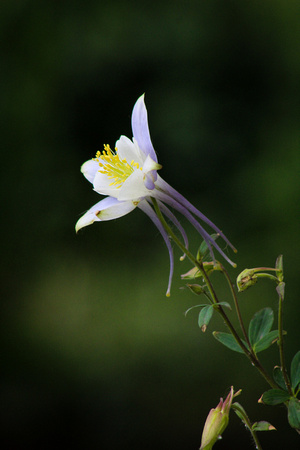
x=216, y=422
x=196, y=288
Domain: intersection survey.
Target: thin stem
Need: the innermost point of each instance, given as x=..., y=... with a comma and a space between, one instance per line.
x=280, y=344
x=241, y=413
x=250, y=355
x=237, y=307
x=266, y=275
x=248, y=352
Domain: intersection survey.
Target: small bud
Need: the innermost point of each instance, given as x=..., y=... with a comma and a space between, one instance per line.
x=246, y=279
x=210, y=267
x=196, y=288
x=216, y=422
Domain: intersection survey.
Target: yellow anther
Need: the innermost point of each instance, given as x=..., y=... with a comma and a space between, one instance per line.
x=113, y=167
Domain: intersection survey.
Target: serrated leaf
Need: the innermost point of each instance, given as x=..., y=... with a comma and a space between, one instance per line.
x=262, y=426
x=266, y=341
x=278, y=377
x=294, y=413
x=275, y=397
x=260, y=325
x=204, y=316
x=229, y=341
x=203, y=249
x=295, y=371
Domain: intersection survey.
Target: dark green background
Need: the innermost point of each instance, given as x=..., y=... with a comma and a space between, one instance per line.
x=94, y=355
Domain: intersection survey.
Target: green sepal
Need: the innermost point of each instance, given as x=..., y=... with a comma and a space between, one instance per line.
x=204, y=249
x=262, y=425
x=260, y=325
x=204, y=317
x=279, y=378
x=266, y=341
x=229, y=341
x=295, y=371
x=275, y=397
x=294, y=413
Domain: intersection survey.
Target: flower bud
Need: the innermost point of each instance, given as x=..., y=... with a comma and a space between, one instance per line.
x=216, y=422
x=246, y=279
x=196, y=288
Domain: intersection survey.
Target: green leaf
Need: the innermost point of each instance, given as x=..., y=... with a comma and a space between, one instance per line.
x=240, y=412
x=225, y=304
x=266, y=341
x=195, y=306
x=275, y=397
x=260, y=325
x=262, y=426
x=229, y=341
x=294, y=413
x=278, y=377
x=204, y=317
x=203, y=249
x=295, y=371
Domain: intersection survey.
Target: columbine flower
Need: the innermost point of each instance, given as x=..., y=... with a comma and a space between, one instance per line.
x=128, y=176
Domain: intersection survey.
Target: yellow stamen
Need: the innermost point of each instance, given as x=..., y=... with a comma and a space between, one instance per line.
x=116, y=169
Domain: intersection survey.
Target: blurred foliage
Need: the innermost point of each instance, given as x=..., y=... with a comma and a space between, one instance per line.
x=93, y=353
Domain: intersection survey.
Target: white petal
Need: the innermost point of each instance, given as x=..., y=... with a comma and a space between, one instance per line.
x=102, y=185
x=89, y=169
x=133, y=187
x=149, y=165
x=118, y=210
x=129, y=150
x=107, y=209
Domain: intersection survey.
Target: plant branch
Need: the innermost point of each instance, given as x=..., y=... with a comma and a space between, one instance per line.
x=250, y=355
x=234, y=296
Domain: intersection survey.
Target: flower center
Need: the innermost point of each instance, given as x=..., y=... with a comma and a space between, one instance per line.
x=113, y=167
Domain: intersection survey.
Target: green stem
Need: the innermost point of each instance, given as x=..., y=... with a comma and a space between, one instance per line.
x=250, y=355
x=280, y=344
x=241, y=413
x=234, y=296
x=266, y=275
